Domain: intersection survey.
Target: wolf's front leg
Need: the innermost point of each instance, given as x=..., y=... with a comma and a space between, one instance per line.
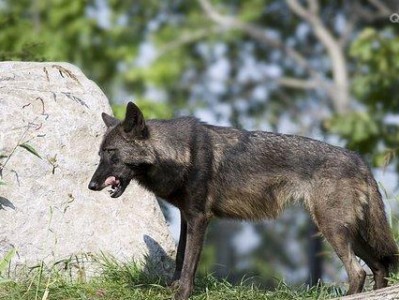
x=196, y=228
x=180, y=252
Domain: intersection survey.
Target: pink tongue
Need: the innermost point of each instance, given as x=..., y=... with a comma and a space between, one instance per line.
x=111, y=181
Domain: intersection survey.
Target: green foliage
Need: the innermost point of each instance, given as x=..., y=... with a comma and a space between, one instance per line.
x=250, y=10
x=30, y=149
x=376, y=80
x=4, y=263
x=59, y=30
x=36, y=32
x=150, y=109
x=107, y=47
x=359, y=129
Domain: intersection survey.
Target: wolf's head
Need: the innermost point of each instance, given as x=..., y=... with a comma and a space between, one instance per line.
x=124, y=153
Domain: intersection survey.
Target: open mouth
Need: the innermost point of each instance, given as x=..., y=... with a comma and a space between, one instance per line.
x=117, y=186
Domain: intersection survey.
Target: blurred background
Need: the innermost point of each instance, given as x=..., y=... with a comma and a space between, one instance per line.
x=323, y=69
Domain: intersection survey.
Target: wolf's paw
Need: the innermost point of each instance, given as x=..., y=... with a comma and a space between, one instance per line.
x=174, y=284
x=182, y=294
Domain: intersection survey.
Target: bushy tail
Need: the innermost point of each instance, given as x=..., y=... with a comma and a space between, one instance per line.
x=379, y=234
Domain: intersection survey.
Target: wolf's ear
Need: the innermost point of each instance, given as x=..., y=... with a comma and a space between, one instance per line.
x=134, y=120
x=109, y=120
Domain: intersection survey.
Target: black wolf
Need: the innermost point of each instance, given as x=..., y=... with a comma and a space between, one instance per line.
x=209, y=171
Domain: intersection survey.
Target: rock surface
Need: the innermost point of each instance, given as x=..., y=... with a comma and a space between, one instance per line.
x=388, y=293
x=47, y=212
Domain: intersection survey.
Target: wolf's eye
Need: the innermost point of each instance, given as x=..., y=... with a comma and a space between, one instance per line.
x=109, y=150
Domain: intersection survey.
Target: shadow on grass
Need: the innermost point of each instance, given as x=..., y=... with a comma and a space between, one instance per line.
x=156, y=268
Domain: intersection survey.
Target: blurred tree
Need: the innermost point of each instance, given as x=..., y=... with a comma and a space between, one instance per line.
x=54, y=30
x=372, y=129
x=252, y=63
x=92, y=34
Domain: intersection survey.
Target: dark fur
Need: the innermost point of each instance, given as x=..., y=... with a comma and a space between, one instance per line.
x=208, y=171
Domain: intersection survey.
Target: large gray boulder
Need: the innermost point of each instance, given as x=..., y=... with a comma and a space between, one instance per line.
x=47, y=213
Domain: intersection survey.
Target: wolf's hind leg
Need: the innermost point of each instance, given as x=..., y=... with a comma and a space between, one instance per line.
x=341, y=240
x=367, y=254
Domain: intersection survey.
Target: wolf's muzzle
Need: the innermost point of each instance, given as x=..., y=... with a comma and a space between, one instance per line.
x=94, y=186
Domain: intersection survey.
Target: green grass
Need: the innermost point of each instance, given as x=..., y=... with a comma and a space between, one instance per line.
x=127, y=281
x=106, y=288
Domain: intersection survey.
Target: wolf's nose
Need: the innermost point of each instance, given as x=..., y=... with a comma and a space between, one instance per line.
x=93, y=186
